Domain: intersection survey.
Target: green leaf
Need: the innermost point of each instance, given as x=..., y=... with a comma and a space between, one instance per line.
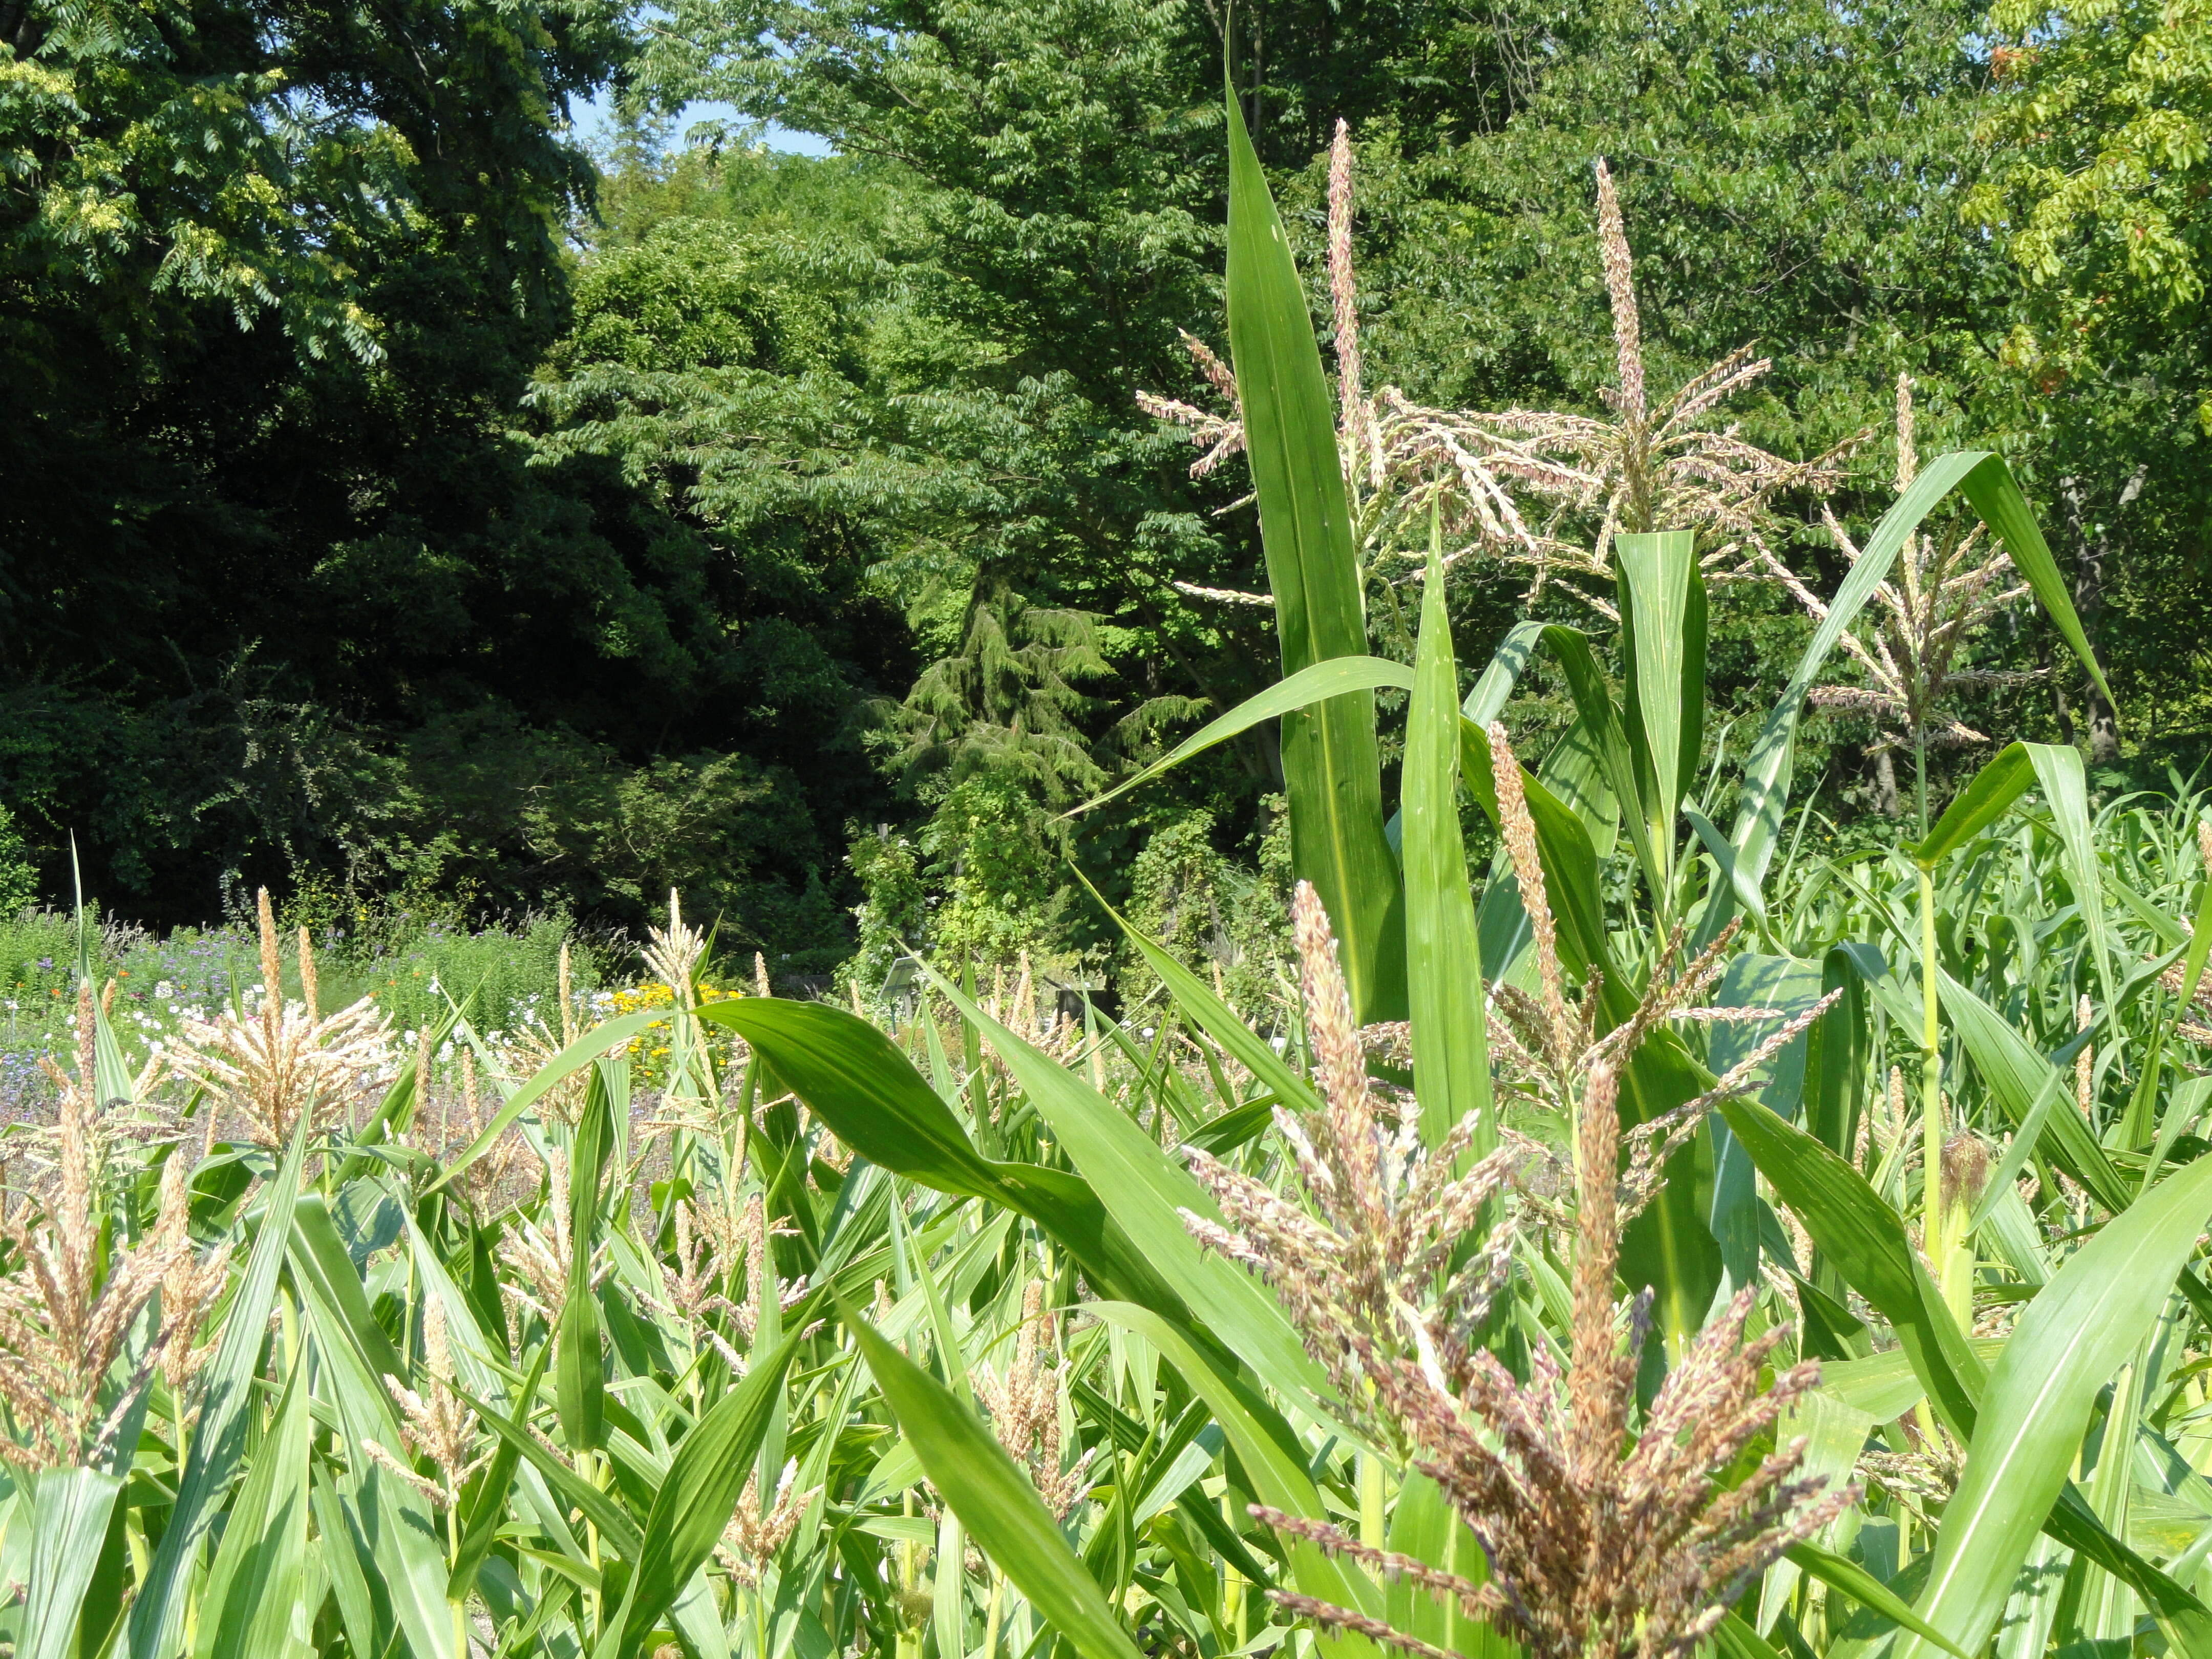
x=1268, y=1452
x=615, y=1528
x=1863, y=1587
x=599, y=1041
x=1332, y=767
x=70, y=1513
x=853, y=1078
x=259, y=1576
x=218, y=1442
x=2017, y=1076
x=994, y=1500
x=1665, y=673
x=1149, y=1194
x=490, y=1509
x=1991, y=792
x=2079, y=1328
x=1214, y=1017
x=1444, y=964
x=2066, y=791
x=1865, y=1240
x=1316, y=683
x=1991, y=487
x=706, y=1477
x=578, y=1379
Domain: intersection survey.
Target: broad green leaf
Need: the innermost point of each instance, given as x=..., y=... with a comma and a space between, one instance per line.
x=1332, y=767
x=1991, y=487
x=69, y=1512
x=856, y=1080
x=706, y=1477
x=578, y=1379
x=994, y=1500
x=255, y=1587
x=1443, y=965
x=2017, y=1077
x=218, y=1440
x=1865, y=1240
x=1987, y=796
x=1840, y=1573
x=1150, y=1193
x=2040, y=1395
x=1663, y=649
x=1214, y=1017
x=1269, y=1456
x=1315, y=684
x=2066, y=791
x=491, y=1508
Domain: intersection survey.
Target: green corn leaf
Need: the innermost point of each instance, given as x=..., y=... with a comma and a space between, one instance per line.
x=1444, y=994
x=2066, y=791
x=615, y=1528
x=1271, y=1457
x=1865, y=1240
x=592, y=1045
x=70, y=1510
x=994, y=1500
x=255, y=1587
x=2037, y=1405
x=1987, y=796
x=1149, y=1194
x=1212, y=1016
x=1991, y=487
x=218, y=1443
x=1315, y=683
x=317, y=1257
x=578, y=1380
x=1855, y=1581
x=2017, y=1077
x=485, y=1517
x=1332, y=768
x=1985, y=482
x=706, y=1477
x=856, y=1080
x=1662, y=639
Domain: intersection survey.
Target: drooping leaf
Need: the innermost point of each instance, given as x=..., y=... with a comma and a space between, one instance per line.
x=994, y=1500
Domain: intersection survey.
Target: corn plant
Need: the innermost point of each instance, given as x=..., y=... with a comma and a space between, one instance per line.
x=1671, y=1239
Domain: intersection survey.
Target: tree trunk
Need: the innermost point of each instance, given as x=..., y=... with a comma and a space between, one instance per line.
x=1885, y=783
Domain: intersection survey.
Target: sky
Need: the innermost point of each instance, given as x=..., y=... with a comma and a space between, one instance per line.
x=591, y=121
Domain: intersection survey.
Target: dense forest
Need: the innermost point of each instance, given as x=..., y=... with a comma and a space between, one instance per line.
x=413, y=497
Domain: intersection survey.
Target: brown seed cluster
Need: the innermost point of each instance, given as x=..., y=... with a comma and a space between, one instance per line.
x=68, y=1306
x=1503, y=481
x=1024, y=1404
x=1609, y=1528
